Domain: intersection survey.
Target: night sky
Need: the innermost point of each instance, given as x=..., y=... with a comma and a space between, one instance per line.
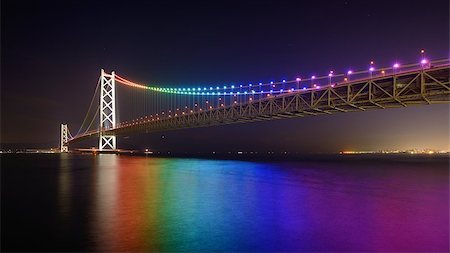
x=52, y=53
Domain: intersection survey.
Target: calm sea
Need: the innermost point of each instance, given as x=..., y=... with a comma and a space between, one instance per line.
x=68, y=202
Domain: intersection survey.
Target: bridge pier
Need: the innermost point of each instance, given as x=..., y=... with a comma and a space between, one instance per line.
x=107, y=142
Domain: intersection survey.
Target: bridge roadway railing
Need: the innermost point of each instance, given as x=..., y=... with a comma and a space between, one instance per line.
x=428, y=86
x=415, y=87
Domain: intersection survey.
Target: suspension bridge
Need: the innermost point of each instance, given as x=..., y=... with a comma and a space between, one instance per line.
x=151, y=108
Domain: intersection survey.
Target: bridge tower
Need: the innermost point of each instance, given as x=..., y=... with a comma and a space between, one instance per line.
x=107, y=110
x=64, y=138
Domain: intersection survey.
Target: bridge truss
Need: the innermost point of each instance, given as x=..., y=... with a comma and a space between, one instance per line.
x=416, y=85
x=430, y=86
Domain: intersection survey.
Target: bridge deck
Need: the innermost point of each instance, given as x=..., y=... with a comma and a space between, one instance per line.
x=415, y=87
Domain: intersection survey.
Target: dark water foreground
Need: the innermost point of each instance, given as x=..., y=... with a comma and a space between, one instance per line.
x=53, y=202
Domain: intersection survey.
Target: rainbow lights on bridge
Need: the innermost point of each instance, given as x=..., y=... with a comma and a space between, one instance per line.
x=296, y=84
x=399, y=85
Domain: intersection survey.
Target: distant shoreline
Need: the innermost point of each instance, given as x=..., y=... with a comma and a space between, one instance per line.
x=258, y=156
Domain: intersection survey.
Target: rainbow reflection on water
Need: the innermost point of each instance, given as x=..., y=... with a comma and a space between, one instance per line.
x=121, y=203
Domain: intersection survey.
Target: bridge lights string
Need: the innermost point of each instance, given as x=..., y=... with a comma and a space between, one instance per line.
x=193, y=99
x=395, y=67
x=198, y=99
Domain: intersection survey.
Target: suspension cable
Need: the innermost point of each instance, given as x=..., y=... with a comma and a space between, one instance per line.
x=69, y=134
x=93, y=118
x=90, y=106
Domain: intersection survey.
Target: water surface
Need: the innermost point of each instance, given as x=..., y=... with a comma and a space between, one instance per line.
x=68, y=202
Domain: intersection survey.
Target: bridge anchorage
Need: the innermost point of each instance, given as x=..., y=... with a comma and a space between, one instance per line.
x=170, y=108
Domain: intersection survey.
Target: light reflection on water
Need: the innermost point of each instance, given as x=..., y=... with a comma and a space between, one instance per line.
x=167, y=204
x=206, y=205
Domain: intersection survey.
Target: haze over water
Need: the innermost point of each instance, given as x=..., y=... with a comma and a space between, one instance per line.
x=68, y=202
